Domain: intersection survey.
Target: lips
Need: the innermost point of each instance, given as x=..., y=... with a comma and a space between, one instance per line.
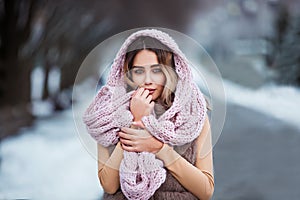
x=151, y=91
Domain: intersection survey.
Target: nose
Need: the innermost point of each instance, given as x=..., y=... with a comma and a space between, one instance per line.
x=148, y=79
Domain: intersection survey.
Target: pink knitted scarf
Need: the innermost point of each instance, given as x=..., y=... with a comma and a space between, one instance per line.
x=141, y=174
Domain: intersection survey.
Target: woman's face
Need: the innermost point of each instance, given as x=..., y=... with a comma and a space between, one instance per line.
x=147, y=73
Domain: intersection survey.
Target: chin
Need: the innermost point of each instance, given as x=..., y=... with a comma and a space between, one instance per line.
x=155, y=97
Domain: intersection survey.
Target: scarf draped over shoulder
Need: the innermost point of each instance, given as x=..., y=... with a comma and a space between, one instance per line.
x=141, y=174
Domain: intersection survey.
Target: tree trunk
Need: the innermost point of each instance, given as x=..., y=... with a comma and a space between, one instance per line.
x=15, y=108
x=46, y=80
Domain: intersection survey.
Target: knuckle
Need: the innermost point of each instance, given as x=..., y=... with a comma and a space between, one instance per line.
x=134, y=148
x=137, y=149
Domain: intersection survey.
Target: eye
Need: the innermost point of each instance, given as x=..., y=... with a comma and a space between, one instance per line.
x=157, y=70
x=138, y=71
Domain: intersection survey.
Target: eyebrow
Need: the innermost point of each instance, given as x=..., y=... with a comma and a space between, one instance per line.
x=154, y=65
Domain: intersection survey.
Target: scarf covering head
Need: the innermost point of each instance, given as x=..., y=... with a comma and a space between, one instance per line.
x=141, y=174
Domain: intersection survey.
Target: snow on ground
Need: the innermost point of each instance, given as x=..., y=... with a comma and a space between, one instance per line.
x=281, y=102
x=47, y=161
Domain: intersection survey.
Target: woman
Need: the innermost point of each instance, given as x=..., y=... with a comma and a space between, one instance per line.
x=151, y=125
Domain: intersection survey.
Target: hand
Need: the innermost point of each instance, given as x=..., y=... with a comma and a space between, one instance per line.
x=139, y=140
x=141, y=104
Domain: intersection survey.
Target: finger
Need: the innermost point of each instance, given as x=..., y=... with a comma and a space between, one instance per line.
x=126, y=142
x=152, y=104
x=139, y=92
x=125, y=136
x=145, y=94
x=128, y=148
x=149, y=98
x=133, y=93
x=130, y=131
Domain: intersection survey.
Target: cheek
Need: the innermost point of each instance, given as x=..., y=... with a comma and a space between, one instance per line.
x=160, y=89
x=158, y=92
x=159, y=79
x=138, y=79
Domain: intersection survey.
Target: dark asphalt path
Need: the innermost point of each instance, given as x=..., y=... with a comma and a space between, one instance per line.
x=256, y=157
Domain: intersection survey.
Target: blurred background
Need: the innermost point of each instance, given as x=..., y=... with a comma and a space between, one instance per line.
x=254, y=43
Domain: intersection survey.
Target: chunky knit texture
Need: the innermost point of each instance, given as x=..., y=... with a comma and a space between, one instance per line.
x=141, y=174
x=171, y=189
